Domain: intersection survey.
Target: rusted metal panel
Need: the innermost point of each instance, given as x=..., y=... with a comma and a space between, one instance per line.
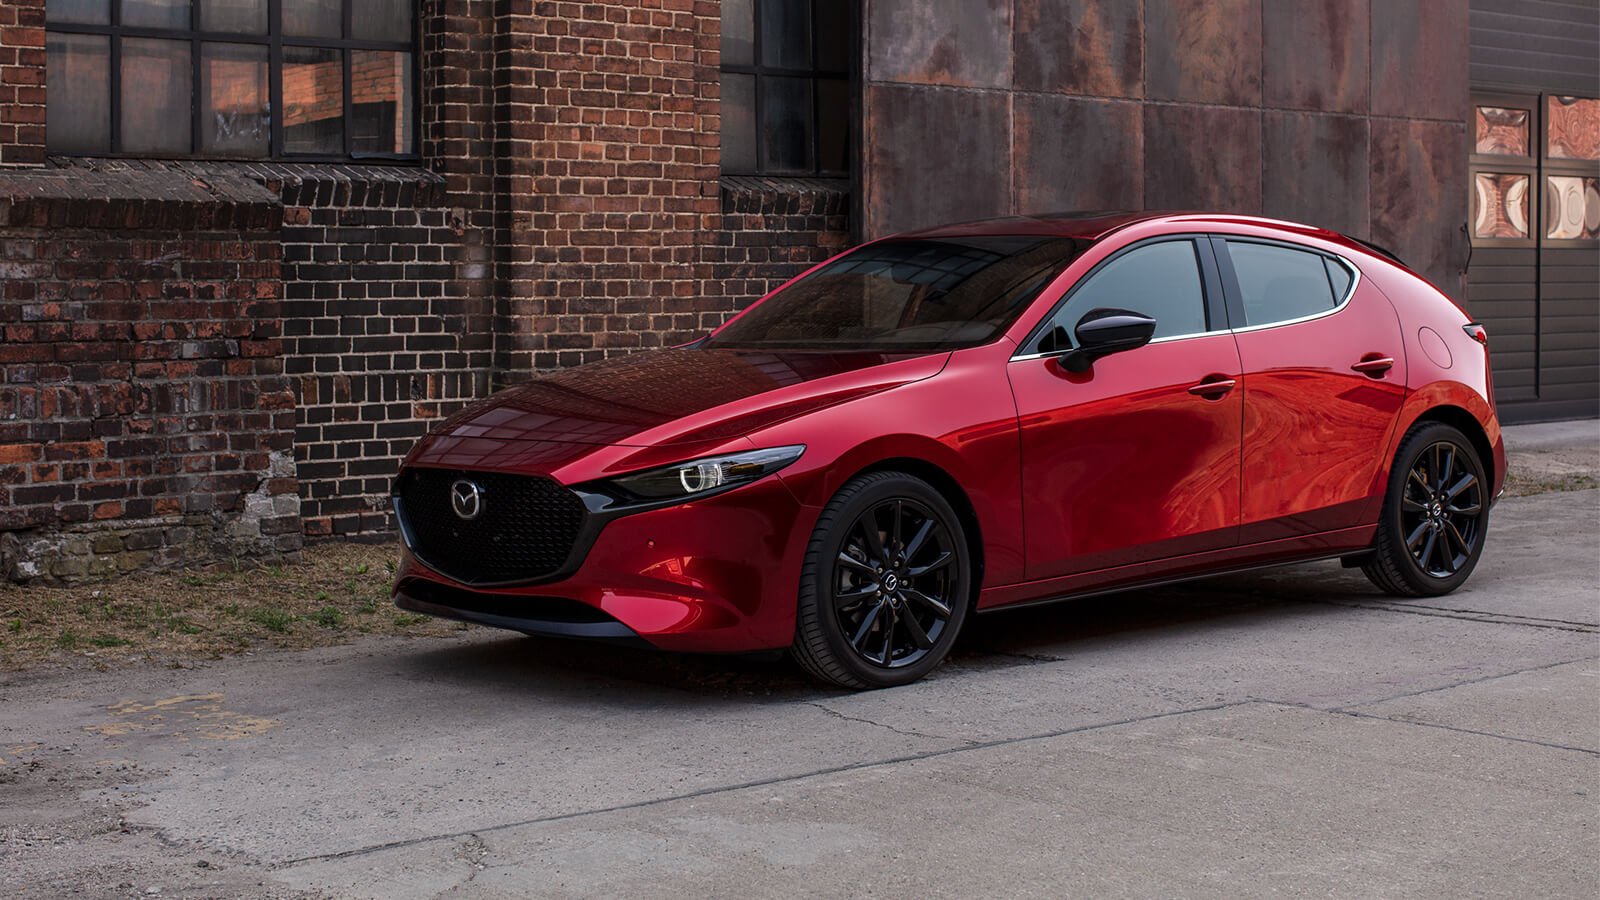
x=1316, y=169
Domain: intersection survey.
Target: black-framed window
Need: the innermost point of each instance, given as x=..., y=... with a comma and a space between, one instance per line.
x=207, y=78
x=786, y=86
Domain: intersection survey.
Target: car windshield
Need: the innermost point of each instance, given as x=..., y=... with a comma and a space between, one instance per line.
x=914, y=294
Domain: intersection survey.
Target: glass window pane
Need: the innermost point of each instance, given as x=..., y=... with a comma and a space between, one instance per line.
x=382, y=20
x=786, y=124
x=156, y=97
x=78, y=84
x=1278, y=284
x=313, y=18
x=833, y=35
x=738, y=123
x=1161, y=281
x=234, y=119
x=1572, y=207
x=157, y=13
x=87, y=12
x=313, y=100
x=1574, y=125
x=235, y=16
x=1502, y=131
x=1500, y=205
x=833, y=125
x=786, y=33
x=738, y=33
x=1339, y=277
x=381, y=102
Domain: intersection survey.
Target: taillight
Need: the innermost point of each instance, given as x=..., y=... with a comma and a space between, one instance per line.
x=1477, y=332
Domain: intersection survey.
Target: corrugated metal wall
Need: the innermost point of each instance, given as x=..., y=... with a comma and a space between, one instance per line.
x=1539, y=298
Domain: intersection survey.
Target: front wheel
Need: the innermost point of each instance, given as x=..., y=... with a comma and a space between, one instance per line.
x=1435, y=515
x=886, y=584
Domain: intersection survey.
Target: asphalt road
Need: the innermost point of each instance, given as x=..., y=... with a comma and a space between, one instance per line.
x=1281, y=733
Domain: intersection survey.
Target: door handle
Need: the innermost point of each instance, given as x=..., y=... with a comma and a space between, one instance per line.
x=1374, y=365
x=1213, y=387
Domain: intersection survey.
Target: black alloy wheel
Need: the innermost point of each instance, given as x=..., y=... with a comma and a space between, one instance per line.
x=1435, y=516
x=886, y=584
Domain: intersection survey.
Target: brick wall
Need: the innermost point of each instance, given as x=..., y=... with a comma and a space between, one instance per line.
x=144, y=414
x=568, y=207
x=772, y=231
x=22, y=82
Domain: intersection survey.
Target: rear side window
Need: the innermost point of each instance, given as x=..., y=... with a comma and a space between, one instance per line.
x=1159, y=280
x=1278, y=284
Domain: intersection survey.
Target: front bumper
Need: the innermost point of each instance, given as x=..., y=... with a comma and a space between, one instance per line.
x=718, y=574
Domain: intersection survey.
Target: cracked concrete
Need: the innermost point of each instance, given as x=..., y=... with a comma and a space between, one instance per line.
x=1282, y=732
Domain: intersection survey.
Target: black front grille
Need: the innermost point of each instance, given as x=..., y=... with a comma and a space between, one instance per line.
x=525, y=530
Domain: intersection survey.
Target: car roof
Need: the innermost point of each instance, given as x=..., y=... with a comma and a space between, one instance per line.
x=1095, y=224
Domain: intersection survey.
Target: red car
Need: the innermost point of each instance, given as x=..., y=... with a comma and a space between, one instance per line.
x=965, y=419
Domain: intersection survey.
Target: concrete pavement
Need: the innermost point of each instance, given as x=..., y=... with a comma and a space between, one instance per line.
x=1281, y=733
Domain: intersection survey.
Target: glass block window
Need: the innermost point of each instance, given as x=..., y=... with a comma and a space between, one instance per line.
x=1571, y=207
x=1500, y=205
x=786, y=86
x=1501, y=131
x=241, y=79
x=1573, y=126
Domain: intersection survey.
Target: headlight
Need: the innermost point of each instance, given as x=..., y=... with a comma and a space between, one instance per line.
x=698, y=476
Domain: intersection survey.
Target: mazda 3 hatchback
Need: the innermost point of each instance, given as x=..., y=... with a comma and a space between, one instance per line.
x=964, y=419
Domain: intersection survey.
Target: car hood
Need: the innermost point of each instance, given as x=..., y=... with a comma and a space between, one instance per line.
x=679, y=396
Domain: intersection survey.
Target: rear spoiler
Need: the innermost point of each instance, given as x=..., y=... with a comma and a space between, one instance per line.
x=1381, y=251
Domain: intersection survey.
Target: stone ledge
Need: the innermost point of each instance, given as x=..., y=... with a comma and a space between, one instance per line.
x=785, y=196
x=291, y=184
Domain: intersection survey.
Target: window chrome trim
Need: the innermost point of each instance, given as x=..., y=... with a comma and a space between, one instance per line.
x=1349, y=294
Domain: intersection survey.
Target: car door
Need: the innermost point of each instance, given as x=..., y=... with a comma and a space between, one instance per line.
x=1324, y=374
x=1136, y=458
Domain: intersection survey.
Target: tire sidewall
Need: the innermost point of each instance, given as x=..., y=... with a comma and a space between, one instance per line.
x=1414, y=446
x=821, y=573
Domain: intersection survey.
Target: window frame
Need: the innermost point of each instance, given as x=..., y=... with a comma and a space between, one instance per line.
x=275, y=41
x=1235, y=295
x=1213, y=295
x=813, y=74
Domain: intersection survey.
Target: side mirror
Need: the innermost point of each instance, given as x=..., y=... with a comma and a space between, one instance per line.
x=1102, y=332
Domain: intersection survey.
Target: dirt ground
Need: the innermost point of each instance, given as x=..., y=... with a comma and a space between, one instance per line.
x=339, y=592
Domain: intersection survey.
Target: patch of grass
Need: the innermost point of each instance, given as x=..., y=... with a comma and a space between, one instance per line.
x=328, y=617
x=273, y=619
x=338, y=592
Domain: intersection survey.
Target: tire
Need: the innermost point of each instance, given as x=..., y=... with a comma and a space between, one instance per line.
x=1435, y=515
x=845, y=600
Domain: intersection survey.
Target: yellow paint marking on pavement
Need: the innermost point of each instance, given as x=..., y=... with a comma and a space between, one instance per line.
x=183, y=717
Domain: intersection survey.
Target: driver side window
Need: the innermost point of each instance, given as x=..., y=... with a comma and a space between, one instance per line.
x=1159, y=280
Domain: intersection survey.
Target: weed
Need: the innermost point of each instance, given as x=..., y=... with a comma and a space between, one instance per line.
x=15, y=625
x=109, y=640
x=406, y=620
x=272, y=619
x=328, y=617
x=67, y=639
x=362, y=569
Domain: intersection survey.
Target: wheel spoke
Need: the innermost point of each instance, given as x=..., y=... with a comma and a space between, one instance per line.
x=1416, y=536
x=1449, y=452
x=1416, y=475
x=888, y=637
x=1427, y=549
x=869, y=525
x=899, y=516
x=938, y=606
x=1461, y=541
x=944, y=559
x=1455, y=490
x=856, y=564
x=1472, y=510
x=919, y=635
x=860, y=639
x=1411, y=506
x=917, y=540
x=849, y=598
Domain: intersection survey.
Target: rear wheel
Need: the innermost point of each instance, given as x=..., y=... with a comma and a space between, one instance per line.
x=1435, y=515
x=886, y=584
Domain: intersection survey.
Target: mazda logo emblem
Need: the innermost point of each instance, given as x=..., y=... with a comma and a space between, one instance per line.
x=466, y=498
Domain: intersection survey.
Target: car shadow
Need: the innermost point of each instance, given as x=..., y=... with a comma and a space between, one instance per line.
x=1000, y=639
